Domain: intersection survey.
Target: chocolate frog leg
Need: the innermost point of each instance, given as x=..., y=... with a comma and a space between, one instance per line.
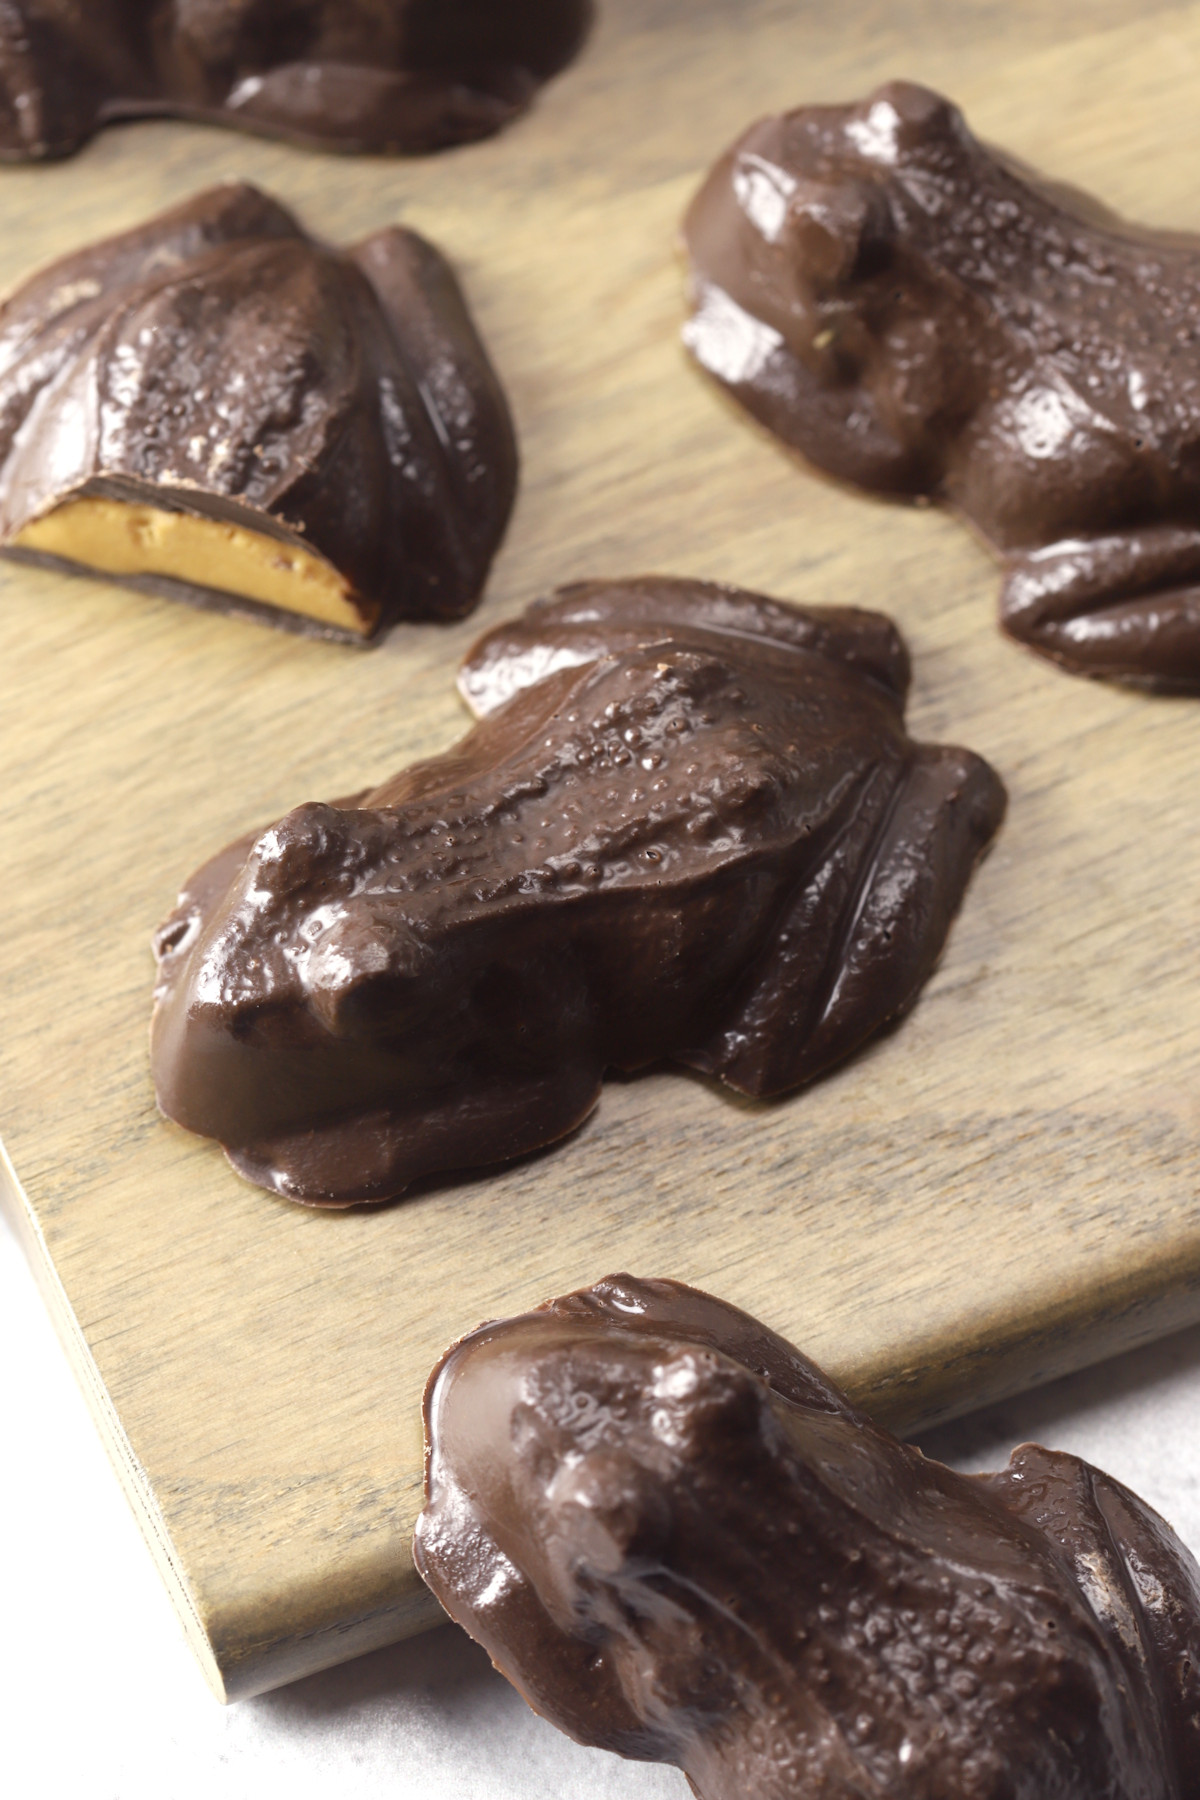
x=1124, y=606
x=859, y=940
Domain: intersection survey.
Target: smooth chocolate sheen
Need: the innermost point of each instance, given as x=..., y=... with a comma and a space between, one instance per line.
x=918, y=315
x=383, y=75
x=681, y=1542
x=690, y=826
x=217, y=404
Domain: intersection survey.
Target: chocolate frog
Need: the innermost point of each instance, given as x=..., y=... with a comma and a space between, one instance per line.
x=917, y=314
x=380, y=75
x=689, y=827
x=682, y=1542
x=218, y=406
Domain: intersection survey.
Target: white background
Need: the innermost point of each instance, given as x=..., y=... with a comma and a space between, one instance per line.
x=101, y=1699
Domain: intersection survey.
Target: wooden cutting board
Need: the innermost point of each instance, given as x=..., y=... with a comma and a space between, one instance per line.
x=1003, y=1188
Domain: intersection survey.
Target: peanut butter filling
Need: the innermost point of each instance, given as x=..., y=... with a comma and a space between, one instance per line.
x=116, y=538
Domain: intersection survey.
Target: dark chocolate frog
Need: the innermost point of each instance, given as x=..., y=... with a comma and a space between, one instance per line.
x=218, y=404
x=689, y=827
x=682, y=1543
x=918, y=315
x=381, y=75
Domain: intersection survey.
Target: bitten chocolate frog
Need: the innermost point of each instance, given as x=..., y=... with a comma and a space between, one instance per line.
x=381, y=75
x=681, y=1542
x=218, y=405
x=689, y=827
x=918, y=315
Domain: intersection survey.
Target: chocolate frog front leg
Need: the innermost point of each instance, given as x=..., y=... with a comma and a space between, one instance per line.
x=1125, y=606
x=346, y=106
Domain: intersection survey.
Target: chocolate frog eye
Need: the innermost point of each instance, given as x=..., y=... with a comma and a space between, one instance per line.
x=906, y=118
x=838, y=234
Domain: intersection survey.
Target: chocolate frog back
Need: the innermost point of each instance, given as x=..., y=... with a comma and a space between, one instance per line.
x=918, y=315
x=689, y=826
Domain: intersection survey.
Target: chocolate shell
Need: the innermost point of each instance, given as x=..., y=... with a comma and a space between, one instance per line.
x=218, y=405
x=681, y=1542
x=916, y=314
x=689, y=827
x=385, y=75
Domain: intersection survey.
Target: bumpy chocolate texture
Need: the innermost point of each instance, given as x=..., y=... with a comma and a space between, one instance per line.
x=917, y=315
x=216, y=402
x=681, y=1542
x=690, y=826
x=382, y=75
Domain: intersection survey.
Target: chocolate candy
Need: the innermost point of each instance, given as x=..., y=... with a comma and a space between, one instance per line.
x=689, y=827
x=681, y=1542
x=218, y=405
x=383, y=75
x=917, y=315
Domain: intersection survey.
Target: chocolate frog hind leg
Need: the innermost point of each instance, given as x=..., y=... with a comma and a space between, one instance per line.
x=1125, y=606
x=858, y=940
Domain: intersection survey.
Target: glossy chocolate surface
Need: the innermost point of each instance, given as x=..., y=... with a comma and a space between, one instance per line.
x=681, y=1542
x=916, y=314
x=690, y=826
x=383, y=75
x=219, y=362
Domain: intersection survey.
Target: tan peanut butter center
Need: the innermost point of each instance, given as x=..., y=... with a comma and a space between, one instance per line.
x=116, y=538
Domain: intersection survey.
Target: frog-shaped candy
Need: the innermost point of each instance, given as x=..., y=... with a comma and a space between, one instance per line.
x=920, y=316
x=690, y=826
x=681, y=1542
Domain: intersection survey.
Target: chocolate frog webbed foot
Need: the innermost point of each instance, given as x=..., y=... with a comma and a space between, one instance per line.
x=1125, y=606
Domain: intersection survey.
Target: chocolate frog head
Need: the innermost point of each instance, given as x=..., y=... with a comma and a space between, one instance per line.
x=681, y=1542
x=380, y=75
x=916, y=314
x=689, y=826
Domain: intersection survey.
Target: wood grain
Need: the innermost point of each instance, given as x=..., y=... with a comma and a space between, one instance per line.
x=1003, y=1188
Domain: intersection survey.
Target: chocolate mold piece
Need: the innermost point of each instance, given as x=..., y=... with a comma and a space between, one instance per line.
x=681, y=1542
x=216, y=404
x=690, y=827
x=401, y=76
x=917, y=314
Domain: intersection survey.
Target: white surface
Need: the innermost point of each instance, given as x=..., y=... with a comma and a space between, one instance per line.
x=102, y=1701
